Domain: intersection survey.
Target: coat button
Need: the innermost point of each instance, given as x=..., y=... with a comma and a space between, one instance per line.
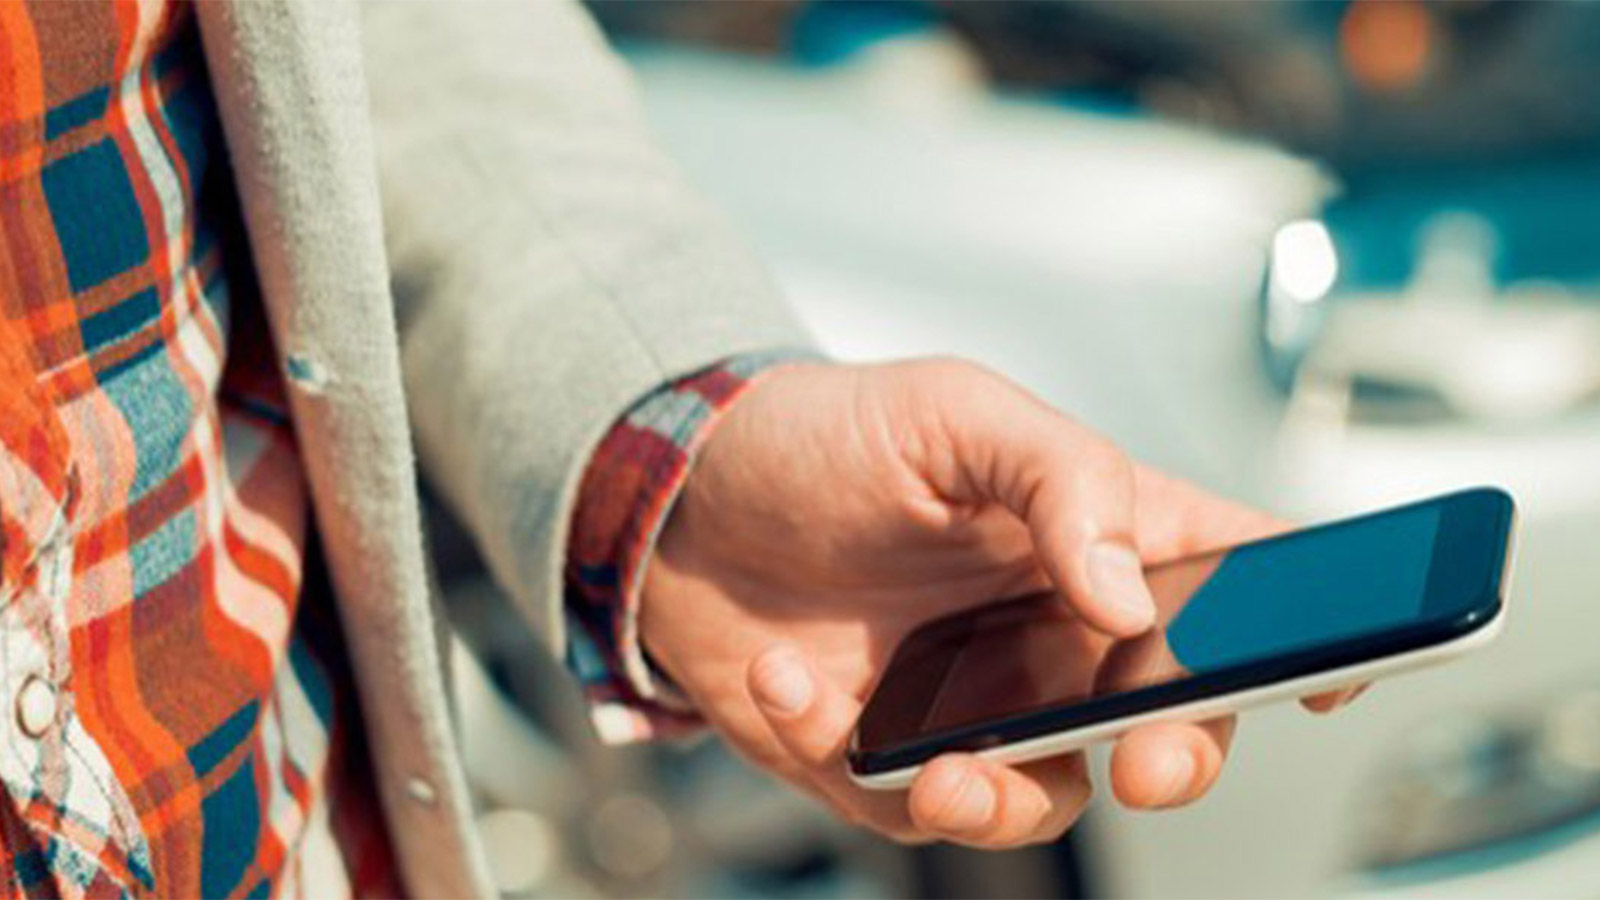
x=36, y=706
x=420, y=791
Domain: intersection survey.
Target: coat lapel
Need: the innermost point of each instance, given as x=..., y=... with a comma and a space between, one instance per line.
x=292, y=97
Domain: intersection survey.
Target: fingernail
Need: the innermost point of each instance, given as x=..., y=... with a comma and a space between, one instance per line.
x=782, y=682
x=972, y=805
x=1117, y=577
x=1178, y=778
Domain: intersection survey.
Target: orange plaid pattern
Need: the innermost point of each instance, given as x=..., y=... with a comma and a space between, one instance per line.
x=175, y=718
x=170, y=709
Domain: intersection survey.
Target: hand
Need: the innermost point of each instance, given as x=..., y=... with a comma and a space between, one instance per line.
x=836, y=508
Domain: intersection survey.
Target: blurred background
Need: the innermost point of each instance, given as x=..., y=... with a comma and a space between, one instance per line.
x=1320, y=255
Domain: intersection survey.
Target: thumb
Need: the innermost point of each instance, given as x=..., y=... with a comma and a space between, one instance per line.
x=810, y=716
x=1072, y=488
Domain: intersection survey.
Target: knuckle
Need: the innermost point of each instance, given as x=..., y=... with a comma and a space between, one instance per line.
x=1100, y=488
x=1101, y=462
x=953, y=383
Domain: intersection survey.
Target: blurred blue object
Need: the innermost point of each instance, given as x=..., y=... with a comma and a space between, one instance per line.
x=826, y=33
x=1544, y=212
x=1539, y=219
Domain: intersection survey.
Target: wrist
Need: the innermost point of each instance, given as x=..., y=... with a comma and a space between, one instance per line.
x=632, y=482
x=686, y=551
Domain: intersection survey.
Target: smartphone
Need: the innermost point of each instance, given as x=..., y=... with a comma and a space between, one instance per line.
x=1308, y=611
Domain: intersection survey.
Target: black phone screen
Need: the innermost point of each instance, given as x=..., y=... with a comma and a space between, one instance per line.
x=1252, y=614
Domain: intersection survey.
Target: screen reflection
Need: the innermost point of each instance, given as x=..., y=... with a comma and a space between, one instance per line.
x=1217, y=611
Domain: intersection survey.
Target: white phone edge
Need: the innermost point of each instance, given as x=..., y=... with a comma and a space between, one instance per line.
x=1063, y=742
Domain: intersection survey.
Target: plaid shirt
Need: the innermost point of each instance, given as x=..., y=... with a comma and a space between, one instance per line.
x=171, y=707
x=175, y=710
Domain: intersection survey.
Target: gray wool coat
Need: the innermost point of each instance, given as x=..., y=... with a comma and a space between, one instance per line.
x=473, y=260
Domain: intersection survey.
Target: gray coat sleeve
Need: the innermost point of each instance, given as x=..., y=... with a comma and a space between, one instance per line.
x=551, y=266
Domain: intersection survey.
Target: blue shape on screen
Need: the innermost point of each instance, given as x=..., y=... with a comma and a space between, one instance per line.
x=1308, y=590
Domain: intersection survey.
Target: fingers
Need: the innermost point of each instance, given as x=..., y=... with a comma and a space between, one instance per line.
x=1131, y=664
x=980, y=803
x=1169, y=764
x=1077, y=502
x=957, y=797
x=1177, y=519
x=1072, y=488
x=812, y=719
